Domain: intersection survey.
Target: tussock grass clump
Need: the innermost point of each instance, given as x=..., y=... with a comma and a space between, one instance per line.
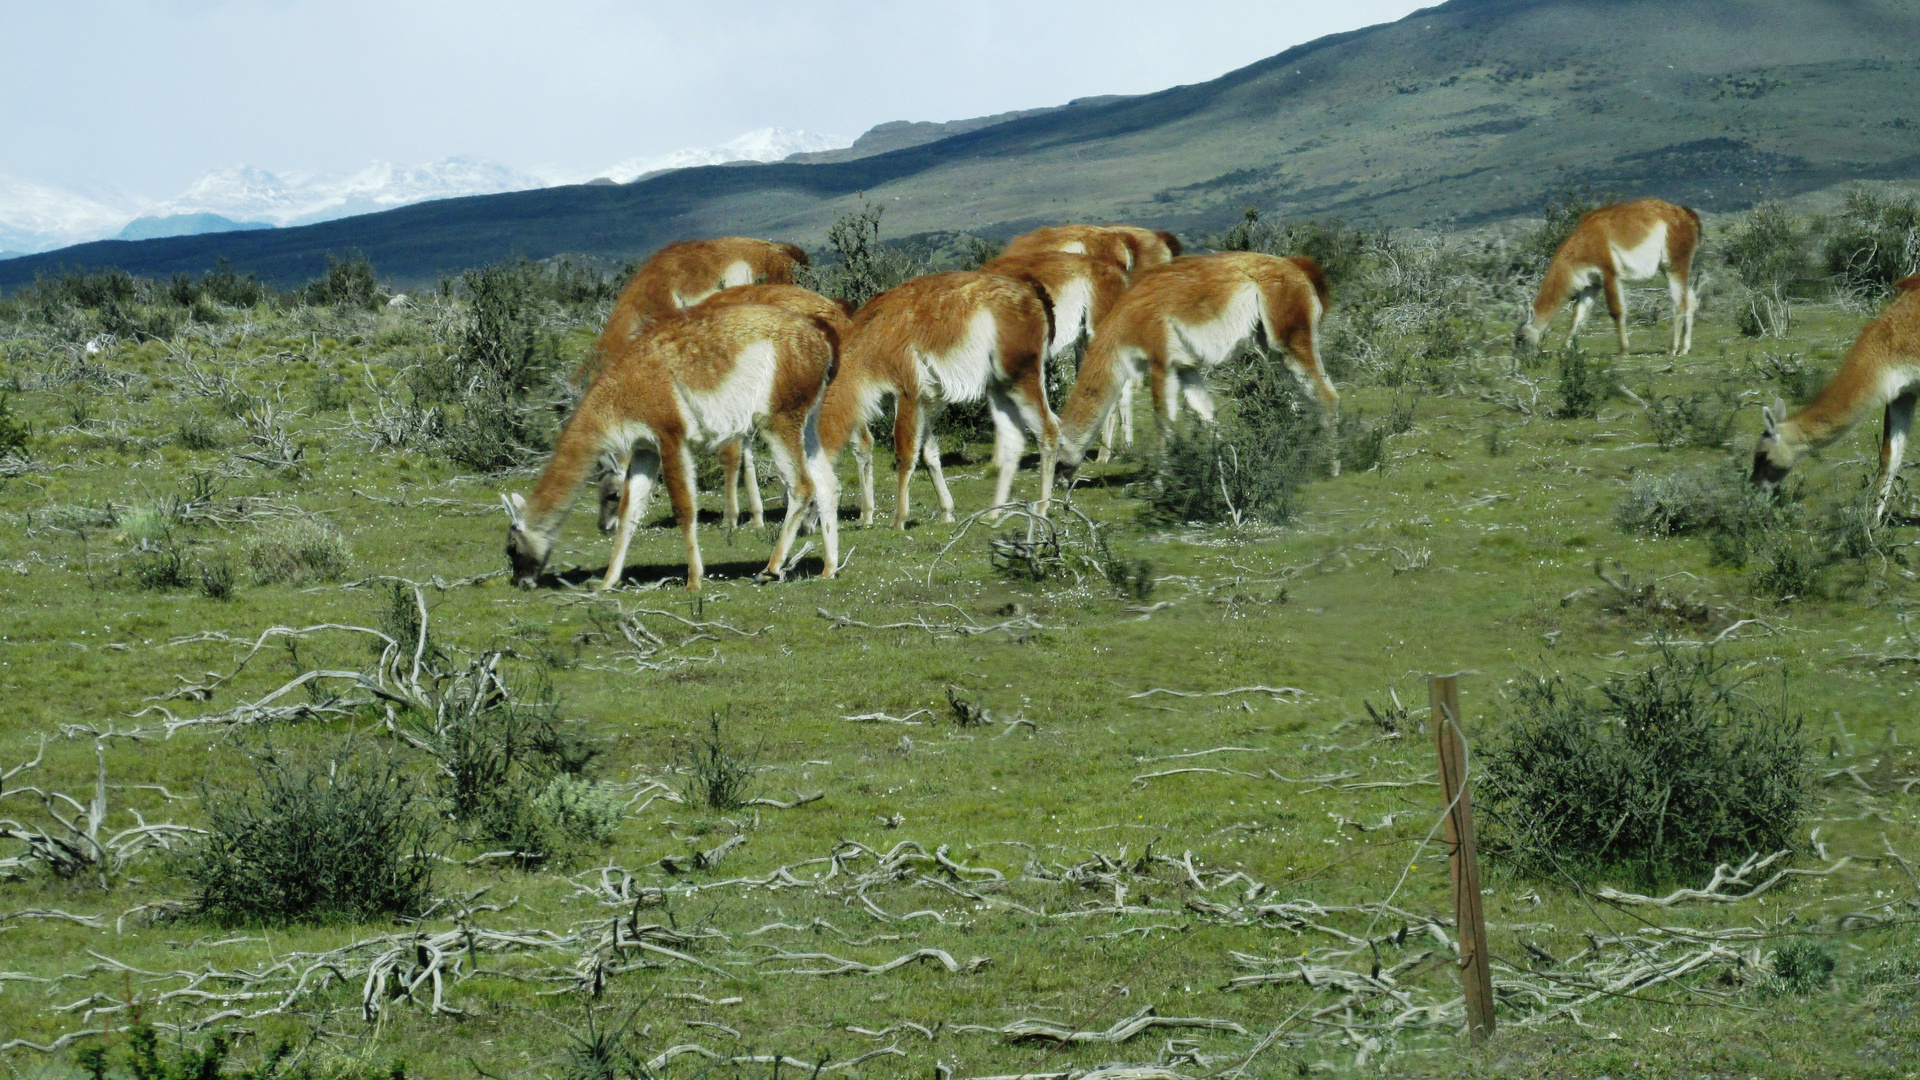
x=344, y=840
x=1658, y=774
x=14, y=432
x=298, y=551
x=717, y=773
x=1804, y=966
x=198, y=432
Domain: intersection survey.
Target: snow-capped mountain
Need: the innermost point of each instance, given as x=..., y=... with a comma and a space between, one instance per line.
x=766, y=144
x=35, y=217
x=38, y=217
x=244, y=193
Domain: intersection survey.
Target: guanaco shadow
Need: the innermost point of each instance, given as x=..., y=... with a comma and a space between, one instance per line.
x=676, y=572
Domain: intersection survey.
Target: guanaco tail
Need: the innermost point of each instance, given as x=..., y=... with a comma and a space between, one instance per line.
x=1083, y=290
x=701, y=379
x=1179, y=320
x=936, y=340
x=1882, y=370
x=1624, y=242
x=733, y=455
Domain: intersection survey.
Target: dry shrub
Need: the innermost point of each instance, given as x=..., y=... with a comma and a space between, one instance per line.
x=298, y=551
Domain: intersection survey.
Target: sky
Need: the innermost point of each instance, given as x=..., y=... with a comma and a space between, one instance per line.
x=141, y=98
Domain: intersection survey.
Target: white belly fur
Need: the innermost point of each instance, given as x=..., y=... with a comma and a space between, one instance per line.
x=737, y=404
x=1208, y=343
x=962, y=374
x=1643, y=260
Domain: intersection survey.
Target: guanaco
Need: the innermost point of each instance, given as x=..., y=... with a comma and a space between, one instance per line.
x=1179, y=320
x=704, y=378
x=1129, y=247
x=1882, y=369
x=1083, y=290
x=935, y=340
x=733, y=455
x=1624, y=242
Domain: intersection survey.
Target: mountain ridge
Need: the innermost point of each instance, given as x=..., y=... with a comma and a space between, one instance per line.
x=1466, y=112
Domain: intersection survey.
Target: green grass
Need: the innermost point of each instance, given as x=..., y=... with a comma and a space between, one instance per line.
x=1445, y=559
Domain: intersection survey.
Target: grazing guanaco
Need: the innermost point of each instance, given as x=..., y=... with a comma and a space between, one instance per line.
x=1882, y=369
x=700, y=379
x=1624, y=242
x=1180, y=319
x=738, y=452
x=940, y=339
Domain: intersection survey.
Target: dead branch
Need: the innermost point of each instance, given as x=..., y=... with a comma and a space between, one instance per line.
x=1724, y=877
x=1038, y=1030
x=1277, y=692
x=855, y=967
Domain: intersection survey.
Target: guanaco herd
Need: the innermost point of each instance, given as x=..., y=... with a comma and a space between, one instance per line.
x=711, y=343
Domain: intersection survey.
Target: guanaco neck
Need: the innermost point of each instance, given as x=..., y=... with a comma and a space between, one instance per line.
x=566, y=471
x=1856, y=389
x=1555, y=288
x=1096, y=390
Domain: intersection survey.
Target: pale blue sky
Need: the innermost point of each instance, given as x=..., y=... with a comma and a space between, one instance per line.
x=146, y=96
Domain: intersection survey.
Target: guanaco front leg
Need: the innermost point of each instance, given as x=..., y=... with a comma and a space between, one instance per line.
x=676, y=467
x=1893, y=445
x=863, y=466
x=642, y=466
x=930, y=452
x=1684, y=302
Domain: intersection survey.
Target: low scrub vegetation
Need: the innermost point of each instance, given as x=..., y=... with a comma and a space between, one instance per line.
x=1655, y=775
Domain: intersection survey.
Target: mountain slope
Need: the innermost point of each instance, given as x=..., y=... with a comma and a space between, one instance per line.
x=1470, y=111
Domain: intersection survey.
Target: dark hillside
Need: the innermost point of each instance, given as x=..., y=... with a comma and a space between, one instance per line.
x=1470, y=111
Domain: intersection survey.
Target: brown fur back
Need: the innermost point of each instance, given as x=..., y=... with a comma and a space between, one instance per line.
x=686, y=268
x=1149, y=248
x=1095, y=240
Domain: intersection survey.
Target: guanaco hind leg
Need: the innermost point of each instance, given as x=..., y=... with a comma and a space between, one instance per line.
x=1684, y=303
x=1893, y=445
x=642, y=468
x=755, y=506
x=907, y=423
x=1616, y=307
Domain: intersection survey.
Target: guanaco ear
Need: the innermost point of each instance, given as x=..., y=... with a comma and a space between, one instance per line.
x=516, y=507
x=1770, y=419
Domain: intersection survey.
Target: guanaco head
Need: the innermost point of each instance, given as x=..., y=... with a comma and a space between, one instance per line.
x=609, y=488
x=1526, y=337
x=527, y=550
x=1772, y=456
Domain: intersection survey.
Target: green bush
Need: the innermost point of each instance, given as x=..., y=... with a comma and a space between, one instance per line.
x=341, y=840
x=500, y=378
x=1771, y=250
x=1658, y=774
x=1875, y=241
x=14, y=432
x=347, y=283
x=579, y=811
x=298, y=551
x=1701, y=419
x=1804, y=966
x=198, y=432
x=216, y=579
x=863, y=267
x=1586, y=383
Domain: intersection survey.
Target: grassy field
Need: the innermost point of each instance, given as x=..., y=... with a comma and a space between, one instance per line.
x=1177, y=806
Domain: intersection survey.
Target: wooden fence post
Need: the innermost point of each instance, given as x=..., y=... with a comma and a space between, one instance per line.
x=1475, y=977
